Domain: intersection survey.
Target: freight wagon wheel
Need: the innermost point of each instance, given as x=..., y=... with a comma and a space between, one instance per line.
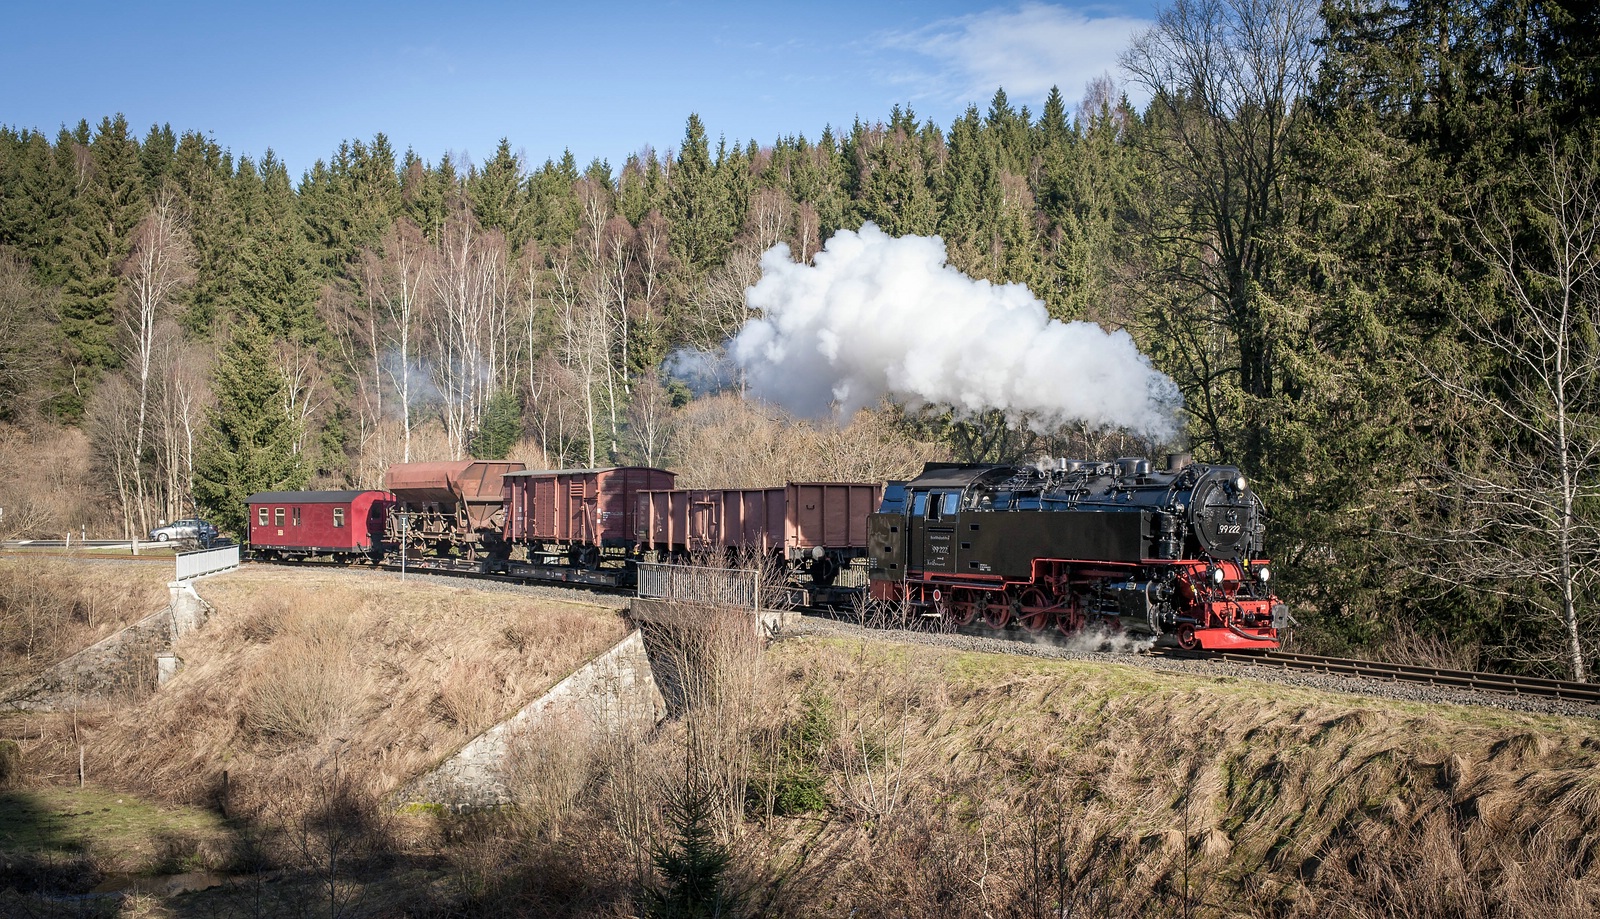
x=824, y=571
x=997, y=611
x=1033, y=609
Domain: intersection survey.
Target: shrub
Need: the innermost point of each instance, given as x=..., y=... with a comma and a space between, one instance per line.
x=11, y=766
x=305, y=683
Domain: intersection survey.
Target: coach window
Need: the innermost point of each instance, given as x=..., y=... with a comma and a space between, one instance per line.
x=277, y=516
x=294, y=515
x=261, y=516
x=338, y=516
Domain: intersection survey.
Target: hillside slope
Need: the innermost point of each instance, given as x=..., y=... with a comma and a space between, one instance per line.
x=994, y=784
x=300, y=673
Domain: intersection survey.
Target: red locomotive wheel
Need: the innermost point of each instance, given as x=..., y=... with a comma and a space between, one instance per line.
x=1069, y=621
x=1033, y=610
x=1187, y=640
x=964, y=610
x=996, y=611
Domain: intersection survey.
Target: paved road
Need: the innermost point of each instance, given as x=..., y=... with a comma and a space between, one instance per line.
x=75, y=544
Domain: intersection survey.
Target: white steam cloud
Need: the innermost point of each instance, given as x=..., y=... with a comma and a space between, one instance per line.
x=877, y=315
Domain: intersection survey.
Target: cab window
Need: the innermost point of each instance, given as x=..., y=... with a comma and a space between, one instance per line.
x=261, y=516
x=951, y=501
x=919, y=504
x=338, y=516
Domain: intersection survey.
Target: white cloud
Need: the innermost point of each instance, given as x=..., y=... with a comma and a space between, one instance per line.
x=1026, y=50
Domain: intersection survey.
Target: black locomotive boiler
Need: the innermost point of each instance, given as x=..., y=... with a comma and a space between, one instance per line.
x=1073, y=545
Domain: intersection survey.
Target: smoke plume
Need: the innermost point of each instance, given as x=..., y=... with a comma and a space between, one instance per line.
x=879, y=316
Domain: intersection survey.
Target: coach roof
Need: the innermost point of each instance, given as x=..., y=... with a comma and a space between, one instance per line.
x=307, y=497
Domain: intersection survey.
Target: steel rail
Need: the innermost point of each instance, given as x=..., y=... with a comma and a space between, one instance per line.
x=1511, y=684
x=1408, y=673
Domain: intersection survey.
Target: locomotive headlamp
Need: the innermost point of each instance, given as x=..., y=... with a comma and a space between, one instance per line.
x=1238, y=484
x=1216, y=576
x=1263, y=575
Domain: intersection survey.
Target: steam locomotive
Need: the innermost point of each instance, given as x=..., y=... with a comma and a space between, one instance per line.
x=1069, y=545
x=1078, y=545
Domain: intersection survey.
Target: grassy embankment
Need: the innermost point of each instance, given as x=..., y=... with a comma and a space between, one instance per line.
x=877, y=778
x=305, y=699
x=51, y=607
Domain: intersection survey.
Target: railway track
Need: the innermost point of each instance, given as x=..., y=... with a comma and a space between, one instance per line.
x=1566, y=690
x=1405, y=673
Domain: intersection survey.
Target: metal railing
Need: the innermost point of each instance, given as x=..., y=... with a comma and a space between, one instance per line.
x=738, y=587
x=206, y=561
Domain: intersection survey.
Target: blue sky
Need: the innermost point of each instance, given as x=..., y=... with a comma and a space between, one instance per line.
x=604, y=79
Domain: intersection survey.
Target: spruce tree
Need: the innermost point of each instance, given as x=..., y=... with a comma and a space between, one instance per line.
x=249, y=441
x=552, y=209
x=698, y=204
x=692, y=863
x=108, y=203
x=496, y=195
x=276, y=273
x=500, y=428
x=202, y=171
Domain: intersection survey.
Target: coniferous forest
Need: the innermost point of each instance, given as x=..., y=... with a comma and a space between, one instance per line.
x=1363, y=238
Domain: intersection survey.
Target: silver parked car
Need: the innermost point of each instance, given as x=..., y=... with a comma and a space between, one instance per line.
x=196, y=531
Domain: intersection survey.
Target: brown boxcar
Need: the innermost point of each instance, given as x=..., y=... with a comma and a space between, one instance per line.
x=819, y=526
x=583, y=511
x=297, y=524
x=445, y=506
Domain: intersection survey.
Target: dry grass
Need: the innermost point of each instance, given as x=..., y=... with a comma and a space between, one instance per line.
x=971, y=785
x=51, y=608
x=913, y=781
x=300, y=675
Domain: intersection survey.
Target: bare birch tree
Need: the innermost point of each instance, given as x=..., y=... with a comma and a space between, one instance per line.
x=22, y=319
x=159, y=265
x=471, y=322
x=111, y=421
x=1523, y=520
x=182, y=394
x=305, y=389
x=651, y=420
x=582, y=330
x=399, y=282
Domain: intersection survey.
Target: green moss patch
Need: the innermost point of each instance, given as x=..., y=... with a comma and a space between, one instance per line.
x=118, y=832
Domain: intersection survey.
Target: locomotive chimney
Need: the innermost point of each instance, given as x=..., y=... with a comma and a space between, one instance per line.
x=1176, y=461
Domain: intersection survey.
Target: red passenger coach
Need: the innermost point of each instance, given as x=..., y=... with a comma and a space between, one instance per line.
x=302, y=524
x=580, y=511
